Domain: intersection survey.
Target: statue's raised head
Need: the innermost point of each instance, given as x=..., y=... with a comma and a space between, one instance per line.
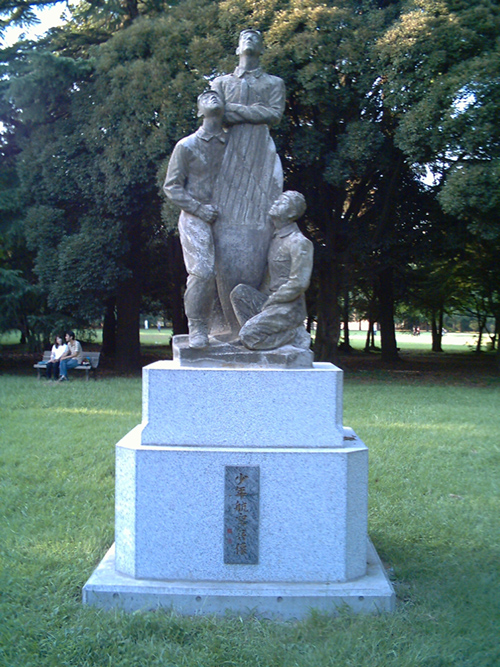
x=210, y=102
x=296, y=204
x=288, y=207
x=250, y=41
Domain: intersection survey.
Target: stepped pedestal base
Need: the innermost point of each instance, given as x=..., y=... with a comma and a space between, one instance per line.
x=372, y=593
x=241, y=491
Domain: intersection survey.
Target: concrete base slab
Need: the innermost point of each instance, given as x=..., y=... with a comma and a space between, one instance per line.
x=372, y=593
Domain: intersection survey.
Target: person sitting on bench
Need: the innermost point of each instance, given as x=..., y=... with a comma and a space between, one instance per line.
x=58, y=350
x=72, y=358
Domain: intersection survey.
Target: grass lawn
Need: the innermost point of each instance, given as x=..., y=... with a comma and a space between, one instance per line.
x=148, y=337
x=434, y=518
x=451, y=342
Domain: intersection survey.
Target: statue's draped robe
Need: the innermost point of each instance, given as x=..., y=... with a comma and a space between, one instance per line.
x=249, y=181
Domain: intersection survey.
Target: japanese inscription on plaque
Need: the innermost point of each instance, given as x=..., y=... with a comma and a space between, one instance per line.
x=241, y=515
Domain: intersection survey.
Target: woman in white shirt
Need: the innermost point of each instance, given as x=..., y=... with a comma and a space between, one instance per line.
x=58, y=349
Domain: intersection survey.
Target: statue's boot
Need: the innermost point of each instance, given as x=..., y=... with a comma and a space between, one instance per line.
x=198, y=334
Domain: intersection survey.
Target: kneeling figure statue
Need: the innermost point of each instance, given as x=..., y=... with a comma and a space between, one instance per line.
x=274, y=315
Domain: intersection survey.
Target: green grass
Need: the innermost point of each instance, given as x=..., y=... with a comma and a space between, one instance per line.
x=147, y=336
x=451, y=342
x=434, y=518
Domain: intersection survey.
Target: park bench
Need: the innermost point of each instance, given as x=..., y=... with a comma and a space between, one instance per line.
x=90, y=363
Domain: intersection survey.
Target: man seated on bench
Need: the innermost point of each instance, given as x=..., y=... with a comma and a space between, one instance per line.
x=72, y=358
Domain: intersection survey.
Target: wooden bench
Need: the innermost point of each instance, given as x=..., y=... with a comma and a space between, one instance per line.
x=90, y=363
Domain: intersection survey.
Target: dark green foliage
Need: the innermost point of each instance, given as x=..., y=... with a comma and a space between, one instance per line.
x=377, y=92
x=442, y=61
x=13, y=289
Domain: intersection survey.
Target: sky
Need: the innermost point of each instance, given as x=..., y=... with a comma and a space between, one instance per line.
x=49, y=18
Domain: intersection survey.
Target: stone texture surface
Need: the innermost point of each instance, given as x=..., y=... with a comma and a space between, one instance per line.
x=273, y=315
x=220, y=354
x=312, y=497
x=372, y=593
x=170, y=512
x=250, y=179
x=248, y=407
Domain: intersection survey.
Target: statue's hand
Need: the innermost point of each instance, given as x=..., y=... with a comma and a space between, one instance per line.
x=207, y=213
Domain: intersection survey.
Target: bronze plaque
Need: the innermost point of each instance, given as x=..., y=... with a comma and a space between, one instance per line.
x=241, y=515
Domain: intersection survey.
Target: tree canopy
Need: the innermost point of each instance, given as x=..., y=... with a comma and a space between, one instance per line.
x=379, y=93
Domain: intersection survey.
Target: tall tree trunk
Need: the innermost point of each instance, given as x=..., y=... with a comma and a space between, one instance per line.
x=24, y=329
x=369, y=334
x=178, y=283
x=479, y=341
x=497, y=333
x=128, y=310
x=385, y=294
x=179, y=319
x=441, y=325
x=345, y=318
x=108, y=348
x=328, y=331
x=437, y=330
x=482, y=323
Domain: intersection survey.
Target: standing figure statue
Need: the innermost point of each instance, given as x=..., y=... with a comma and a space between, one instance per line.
x=251, y=176
x=274, y=316
x=190, y=181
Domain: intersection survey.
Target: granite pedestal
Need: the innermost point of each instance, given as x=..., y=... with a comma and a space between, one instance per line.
x=293, y=534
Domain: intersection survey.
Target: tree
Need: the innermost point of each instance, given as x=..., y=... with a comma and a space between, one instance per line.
x=93, y=113
x=448, y=116
x=22, y=14
x=479, y=275
x=337, y=142
x=449, y=49
x=93, y=134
